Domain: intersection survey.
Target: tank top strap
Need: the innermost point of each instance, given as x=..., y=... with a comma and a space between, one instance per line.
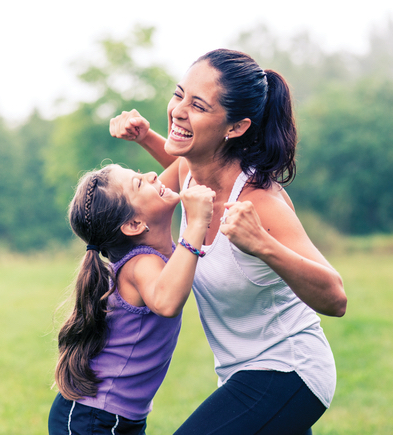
x=237, y=188
x=187, y=181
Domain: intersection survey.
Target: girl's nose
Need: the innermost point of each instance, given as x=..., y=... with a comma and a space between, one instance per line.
x=151, y=177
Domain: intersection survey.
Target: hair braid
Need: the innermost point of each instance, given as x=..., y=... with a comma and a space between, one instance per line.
x=89, y=197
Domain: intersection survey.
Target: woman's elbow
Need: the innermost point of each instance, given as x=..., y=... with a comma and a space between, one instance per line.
x=341, y=307
x=340, y=300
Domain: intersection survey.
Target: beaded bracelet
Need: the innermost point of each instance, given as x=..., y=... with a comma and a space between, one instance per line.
x=191, y=248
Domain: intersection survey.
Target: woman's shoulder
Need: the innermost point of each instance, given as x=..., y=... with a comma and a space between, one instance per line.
x=275, y=210
x=273, y=197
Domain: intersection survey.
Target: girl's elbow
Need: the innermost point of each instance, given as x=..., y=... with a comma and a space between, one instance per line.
x=169, y=312
x=166, y=310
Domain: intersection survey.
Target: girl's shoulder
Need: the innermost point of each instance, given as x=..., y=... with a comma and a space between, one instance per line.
x=134, y=272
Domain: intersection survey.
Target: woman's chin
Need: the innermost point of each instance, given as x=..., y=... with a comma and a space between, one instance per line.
x=176, y=147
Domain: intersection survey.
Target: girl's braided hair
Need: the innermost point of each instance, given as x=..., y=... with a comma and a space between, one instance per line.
x=89, y=195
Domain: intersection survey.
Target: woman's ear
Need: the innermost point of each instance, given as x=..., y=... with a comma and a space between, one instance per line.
x=133, y=228
x=239, y=128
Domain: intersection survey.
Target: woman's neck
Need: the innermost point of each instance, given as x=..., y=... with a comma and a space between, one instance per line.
x=216, y=175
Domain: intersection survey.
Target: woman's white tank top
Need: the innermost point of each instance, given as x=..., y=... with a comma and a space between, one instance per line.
x=253, y=320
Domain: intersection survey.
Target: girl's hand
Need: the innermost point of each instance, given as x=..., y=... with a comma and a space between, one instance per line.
x=129, y=126
x=198, y=203
x=242, y=226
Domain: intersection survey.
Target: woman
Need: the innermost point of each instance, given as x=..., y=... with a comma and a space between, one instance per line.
x=262, y=279
x=116, y=346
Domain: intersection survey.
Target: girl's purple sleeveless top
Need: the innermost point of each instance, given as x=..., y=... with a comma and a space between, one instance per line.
x=137, y=355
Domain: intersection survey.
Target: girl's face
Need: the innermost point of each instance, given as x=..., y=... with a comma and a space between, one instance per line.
x=198, y=120
x=146, y=193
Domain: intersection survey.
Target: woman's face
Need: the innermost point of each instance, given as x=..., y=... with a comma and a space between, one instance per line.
x=198, y=120
x=145, y=192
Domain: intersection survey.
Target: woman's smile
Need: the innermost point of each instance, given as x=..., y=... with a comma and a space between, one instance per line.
x=178, y=132
x=197, y=119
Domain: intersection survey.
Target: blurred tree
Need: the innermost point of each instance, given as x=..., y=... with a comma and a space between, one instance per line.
x=379, y=58
x=346, y=156
x=11, y=156
x=29, y=218
x=81, y=140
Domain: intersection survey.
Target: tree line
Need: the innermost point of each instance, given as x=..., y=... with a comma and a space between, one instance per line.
x=343, y=106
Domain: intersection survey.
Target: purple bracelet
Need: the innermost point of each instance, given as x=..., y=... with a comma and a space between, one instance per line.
x=191, y=248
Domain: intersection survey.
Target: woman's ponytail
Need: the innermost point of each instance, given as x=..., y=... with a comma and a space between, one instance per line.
x=267, y=148
x=277, y=136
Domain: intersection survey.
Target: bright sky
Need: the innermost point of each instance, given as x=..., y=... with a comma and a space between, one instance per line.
x=39, y=39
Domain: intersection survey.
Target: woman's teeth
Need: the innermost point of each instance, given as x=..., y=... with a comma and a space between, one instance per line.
x=178, y=131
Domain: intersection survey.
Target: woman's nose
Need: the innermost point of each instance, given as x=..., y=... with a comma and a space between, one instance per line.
x=178, y=110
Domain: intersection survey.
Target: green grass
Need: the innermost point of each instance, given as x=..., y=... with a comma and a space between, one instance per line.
x=32, y=287
x=363, y=347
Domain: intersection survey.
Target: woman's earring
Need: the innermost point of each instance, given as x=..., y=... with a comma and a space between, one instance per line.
x=147, y=229
x=226, y=138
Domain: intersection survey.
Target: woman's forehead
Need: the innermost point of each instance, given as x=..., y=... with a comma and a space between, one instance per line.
x=203, y=79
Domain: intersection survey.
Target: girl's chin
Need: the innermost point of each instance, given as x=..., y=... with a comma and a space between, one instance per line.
x=170, y=194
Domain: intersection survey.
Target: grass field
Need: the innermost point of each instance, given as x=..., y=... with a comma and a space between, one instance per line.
x=362, y=342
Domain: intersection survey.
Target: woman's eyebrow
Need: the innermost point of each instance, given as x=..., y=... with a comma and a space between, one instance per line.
x=196, y=97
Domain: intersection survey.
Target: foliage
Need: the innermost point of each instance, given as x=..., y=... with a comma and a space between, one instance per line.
x=361, y=342
x=28, y=215
x=346, y=156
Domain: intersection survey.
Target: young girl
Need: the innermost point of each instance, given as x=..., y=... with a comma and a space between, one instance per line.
x=115, y=348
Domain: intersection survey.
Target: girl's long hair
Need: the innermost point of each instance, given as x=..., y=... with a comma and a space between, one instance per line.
x=96, y=214
x=267, y=148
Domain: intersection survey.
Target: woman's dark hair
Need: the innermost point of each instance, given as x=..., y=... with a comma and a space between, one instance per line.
x=247, y=91
x=97, y=212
